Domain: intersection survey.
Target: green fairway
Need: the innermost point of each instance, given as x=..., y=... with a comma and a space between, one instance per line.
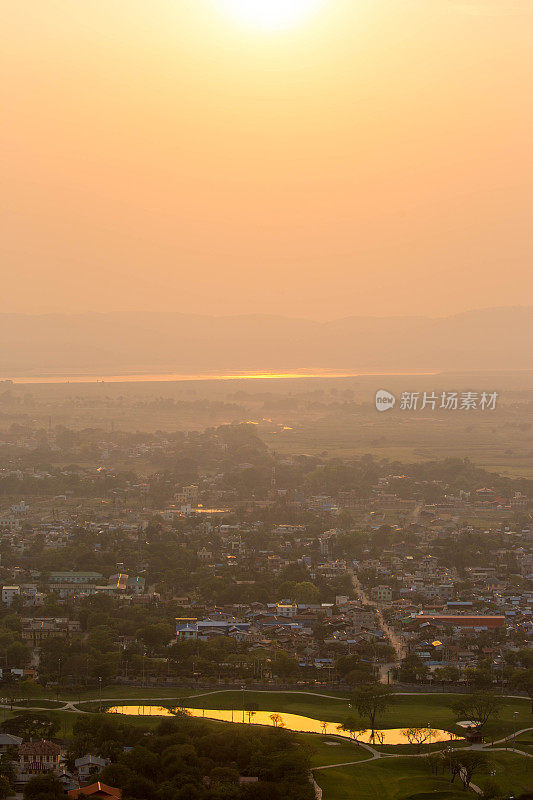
x=387, y=779
x=410, y=779
x=524, y=742
x=407, y=711
x=328, y=750
x=124, y=692
x=38, y=702
x=332, y=710
x=513, y=773
x=413, y=749
x=435, y=709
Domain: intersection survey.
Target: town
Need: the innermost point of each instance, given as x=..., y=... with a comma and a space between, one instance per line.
x=232, y=567
x=266, y=453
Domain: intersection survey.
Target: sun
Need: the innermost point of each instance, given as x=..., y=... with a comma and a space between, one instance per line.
x=270, y=15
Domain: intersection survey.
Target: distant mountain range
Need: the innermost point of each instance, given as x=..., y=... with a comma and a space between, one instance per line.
x=125, y=342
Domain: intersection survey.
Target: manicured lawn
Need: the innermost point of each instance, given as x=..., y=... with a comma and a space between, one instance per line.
x=65, y=718
x=386, y=779
x=125, y=692
x=94, y=705
x=407, y=711
x=66, y=721
x=409, y=779
x=37, y=702
x=308, y=705
x=513, y=773
x=524, y=742
x=395, y=778
x=411, y=710
x=413, y=749
x=327, y=750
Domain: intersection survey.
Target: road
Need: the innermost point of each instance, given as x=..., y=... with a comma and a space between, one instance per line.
x=415, y=513
x=393, y=638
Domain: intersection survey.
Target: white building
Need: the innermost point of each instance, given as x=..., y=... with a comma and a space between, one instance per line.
x=89, y=765
x=8, y=593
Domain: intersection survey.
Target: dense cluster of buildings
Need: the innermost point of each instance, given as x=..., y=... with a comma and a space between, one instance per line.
x=385, y=554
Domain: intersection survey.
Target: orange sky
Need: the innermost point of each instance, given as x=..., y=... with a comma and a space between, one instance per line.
x=374, y=159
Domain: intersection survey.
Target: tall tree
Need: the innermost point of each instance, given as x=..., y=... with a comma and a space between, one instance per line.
x=46, y=786
x=466, y=763
x=352, y=726
x=372, y=700
x=418, y=736
x=478, y=707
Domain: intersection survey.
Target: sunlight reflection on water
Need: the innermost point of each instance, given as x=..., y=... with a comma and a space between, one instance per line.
x=291, y=722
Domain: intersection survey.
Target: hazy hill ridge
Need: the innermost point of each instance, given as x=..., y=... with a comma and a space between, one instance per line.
x=119, y=342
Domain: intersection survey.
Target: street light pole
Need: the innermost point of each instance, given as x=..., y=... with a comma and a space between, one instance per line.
x=100, y=693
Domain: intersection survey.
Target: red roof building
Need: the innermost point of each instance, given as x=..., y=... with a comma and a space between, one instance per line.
x=97, y=789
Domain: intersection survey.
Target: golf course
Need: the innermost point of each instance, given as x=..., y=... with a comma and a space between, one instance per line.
x=346, y=765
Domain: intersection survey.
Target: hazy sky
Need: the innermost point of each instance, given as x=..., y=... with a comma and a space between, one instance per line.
x=374, y=158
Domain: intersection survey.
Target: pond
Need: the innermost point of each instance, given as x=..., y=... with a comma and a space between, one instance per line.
x=291, y=722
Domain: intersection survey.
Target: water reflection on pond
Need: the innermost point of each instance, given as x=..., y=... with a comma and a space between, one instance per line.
x=292, y=722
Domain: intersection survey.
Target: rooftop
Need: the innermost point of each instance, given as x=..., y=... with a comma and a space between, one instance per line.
x=39, y=748
x=97, y=789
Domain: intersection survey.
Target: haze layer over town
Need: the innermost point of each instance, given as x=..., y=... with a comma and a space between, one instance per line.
x=266, y=394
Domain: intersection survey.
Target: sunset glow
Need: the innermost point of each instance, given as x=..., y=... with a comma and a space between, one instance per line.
x=307, y=158
x=270, y=14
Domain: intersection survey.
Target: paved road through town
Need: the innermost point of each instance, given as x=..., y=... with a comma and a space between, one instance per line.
x=393, y=638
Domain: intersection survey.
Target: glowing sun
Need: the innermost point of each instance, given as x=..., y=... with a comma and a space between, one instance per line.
x=270, y=14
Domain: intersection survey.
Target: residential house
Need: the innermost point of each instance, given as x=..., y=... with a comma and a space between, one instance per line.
x=89, y=765
x=7, y=741
x=38, y=629
x=35, y=758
